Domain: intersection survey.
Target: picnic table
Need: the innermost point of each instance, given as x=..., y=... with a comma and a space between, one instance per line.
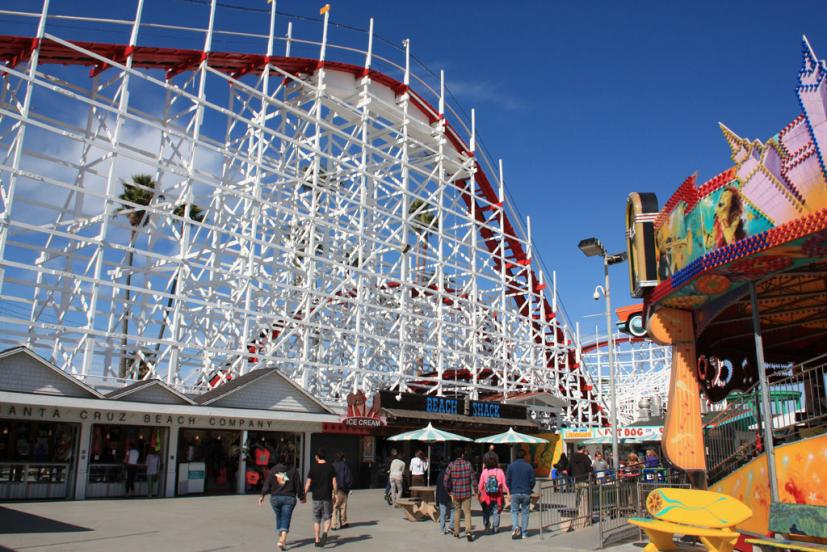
x=426, y=495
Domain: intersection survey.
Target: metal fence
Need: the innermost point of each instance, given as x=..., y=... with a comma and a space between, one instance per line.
x=607, y=503
x=798, y=405
x=799, y=401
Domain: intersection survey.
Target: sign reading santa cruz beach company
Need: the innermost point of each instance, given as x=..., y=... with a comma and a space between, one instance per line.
x=358, y=413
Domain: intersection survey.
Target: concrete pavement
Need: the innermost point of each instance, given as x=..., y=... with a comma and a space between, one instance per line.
x=217, y=523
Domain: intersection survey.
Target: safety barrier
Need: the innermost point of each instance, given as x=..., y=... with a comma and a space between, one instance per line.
x=568, y=504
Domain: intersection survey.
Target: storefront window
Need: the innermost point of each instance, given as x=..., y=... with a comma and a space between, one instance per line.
x=208, y=461
x=109, y=475
x=36, y=458
x=265, y=449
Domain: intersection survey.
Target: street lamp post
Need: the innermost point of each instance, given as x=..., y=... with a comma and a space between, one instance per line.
x=592, y=247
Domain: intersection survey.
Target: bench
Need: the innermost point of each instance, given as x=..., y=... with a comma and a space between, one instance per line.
x=709, y=516
x=800, y=546
x=410, y=507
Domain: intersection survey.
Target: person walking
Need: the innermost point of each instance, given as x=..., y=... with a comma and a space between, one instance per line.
x=153, y=468
x=492, y=492
x=321, y=481
x=459, y=482
x=520, y=480
x=130, y=459
x=284, y=486
x=419, y=466
x=395, y=474
x=580, y=468
x=562, y=475
x=344, y=480
x=446, y=511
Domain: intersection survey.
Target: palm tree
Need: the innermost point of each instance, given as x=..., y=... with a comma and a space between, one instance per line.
x=196, y=215
x=139, y=192
x=424, y=221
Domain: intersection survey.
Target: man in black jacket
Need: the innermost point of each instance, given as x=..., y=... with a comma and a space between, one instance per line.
x=580, y=469
x=580, y=465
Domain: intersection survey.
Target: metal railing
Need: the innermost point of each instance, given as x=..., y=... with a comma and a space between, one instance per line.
x=607, y=502
x=28, y=480
x=799, y=401
x=798, y=405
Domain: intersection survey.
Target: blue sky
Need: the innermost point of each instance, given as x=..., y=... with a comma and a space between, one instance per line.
x=584, y=101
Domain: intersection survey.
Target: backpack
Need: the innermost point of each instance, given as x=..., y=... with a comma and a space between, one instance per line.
x=492, y=486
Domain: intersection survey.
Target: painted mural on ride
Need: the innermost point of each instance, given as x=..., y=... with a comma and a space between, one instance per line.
x=695, y=256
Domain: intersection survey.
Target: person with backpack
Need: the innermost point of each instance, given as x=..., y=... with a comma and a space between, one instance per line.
x=493, y=490
x=344, y=478
x=284, y=486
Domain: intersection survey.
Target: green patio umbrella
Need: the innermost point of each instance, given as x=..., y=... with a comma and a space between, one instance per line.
x=511, y=437
x=428, y=434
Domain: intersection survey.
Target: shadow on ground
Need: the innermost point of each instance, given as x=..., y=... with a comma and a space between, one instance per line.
x=13, y=521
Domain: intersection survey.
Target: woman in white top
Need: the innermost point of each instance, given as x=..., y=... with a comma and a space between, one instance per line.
x=397, y=469
x=419, y=466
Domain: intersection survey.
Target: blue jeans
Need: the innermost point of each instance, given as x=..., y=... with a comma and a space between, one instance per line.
x=444, y=510
x=283, y=508
x=520, y=502
x=491, y=511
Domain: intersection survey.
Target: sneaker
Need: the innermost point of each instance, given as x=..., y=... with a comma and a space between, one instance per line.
x=523, y=535
x=323, y=539
x=317, y=544
x=470, y=537
x=515, y=534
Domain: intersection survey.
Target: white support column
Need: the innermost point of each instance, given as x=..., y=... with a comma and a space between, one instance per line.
x=310, y=253
x=535, y=329
x=170, y=463
x=504, y=338
x=403, y=102
x=20, y=139
x=109, y=211
x=241, y=473
x=474, y=232
x=364, y=195
x=440, y=214
x=184, y=246
x=246, y=332
x=307, y=455
x=82, y=465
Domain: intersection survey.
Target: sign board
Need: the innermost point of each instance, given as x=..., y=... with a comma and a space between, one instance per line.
x=639, y=433
x=453, y=405
x=360, y=415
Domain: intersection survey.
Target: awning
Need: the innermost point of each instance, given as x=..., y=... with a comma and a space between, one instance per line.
x=458, y=418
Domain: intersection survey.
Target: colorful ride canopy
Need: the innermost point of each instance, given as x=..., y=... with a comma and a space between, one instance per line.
x=764, y=215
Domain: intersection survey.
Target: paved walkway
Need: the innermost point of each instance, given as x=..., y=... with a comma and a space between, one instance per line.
x=206, y=524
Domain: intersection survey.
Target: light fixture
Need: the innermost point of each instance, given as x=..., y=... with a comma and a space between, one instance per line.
x=591, y=247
